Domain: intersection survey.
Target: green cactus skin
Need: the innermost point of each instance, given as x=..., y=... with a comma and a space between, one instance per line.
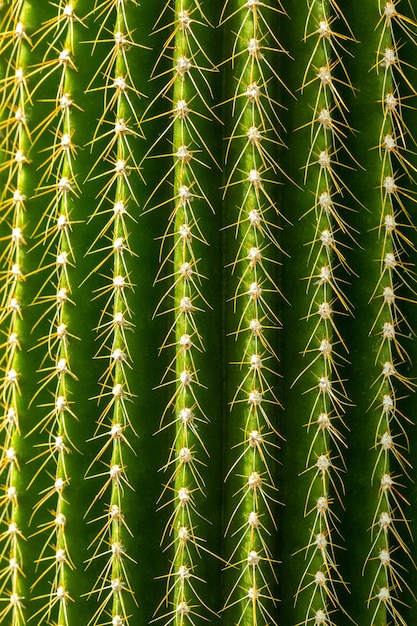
x=208, y=247
x=115, y=137
x=362, y=198
x=322, y=378
x=252, y=174
x=56, y=186
x=17, y=186
x=391, y=534
x=188, y=205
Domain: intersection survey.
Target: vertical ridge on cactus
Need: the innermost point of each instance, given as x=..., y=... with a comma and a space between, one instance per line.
x=114, y=143
x=390, y=525
x=322, y=581
x=56, y=186
x=188, y=95
x=15, y=144
x=207, y=273
x=253, y=136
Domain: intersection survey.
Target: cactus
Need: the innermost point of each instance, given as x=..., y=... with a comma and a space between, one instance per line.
x=208, y=364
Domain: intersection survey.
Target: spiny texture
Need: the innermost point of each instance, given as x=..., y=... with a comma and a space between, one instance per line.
x=52, y=234
x=16, y=142
x=182, y=149
x=391, y=531
x=253, y=131
x=114, y=138
x=325, y=82
x=207, y=278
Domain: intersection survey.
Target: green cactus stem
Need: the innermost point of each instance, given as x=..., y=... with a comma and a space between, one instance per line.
x=207, y=292
x=182, y=149
x=252, y=174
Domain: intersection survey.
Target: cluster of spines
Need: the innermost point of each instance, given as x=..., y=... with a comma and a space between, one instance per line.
x=56, y=189
x=396, y=285
x=113, y=145
x=188, y=203
x=252, y=177
x=15, y=144
x=325, y=80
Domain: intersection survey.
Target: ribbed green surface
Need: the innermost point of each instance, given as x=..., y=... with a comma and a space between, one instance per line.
x=207, y=275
